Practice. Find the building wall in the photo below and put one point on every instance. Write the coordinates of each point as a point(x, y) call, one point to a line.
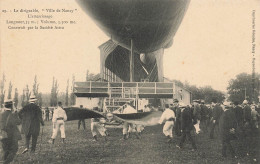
point(182, 95)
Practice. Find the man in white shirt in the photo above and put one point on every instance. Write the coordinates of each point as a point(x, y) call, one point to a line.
point(97, 126)
point(168, 117)
point(59, 116)
point(129, 128)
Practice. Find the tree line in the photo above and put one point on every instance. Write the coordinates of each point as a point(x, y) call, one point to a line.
point(244, 87)
point(44, 99)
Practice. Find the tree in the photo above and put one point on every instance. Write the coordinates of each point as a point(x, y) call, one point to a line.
point(36, 91)
point(27, 93)
point(196, 92)
point(2, 90)
point(87, 75)
point(211, 95)
point(23, 99)
point(46, 98)
point(25, 96)
point(240, 88)
point(54, 92)
point(72, 96)
point(40, 99)
point(10, 90)
point(67, 94)
point(16, 97)
point(93, 77)
point(35, 87)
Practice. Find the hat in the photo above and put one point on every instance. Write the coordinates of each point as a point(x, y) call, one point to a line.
point(175, 100)
point(8, 102)
point(226, 103)
point(182, 105)
point(197, 101)
point(32, 99)
point(245, 102)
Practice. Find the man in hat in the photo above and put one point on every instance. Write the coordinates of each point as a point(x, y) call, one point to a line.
point(228, 126)
point(59, 116)
point(168, 117)
point(81, 121)
point(239, 114)
point(186, 126)
point(31, 116)
point(197, 110)
point(246, 113)
point(216, 113)
point(204, 116)
point(8, 123)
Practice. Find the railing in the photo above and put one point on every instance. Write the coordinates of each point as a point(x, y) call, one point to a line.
point(124, 89)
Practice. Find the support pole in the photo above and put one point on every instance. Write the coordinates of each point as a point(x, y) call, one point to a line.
point(132, 63)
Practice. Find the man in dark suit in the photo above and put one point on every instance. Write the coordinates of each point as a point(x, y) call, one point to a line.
point(239, 114)
point(81, 121)
point(216, 113)
point(204, 116)
point(197, 111)
point(246, 113)
point(186, 126)
point(31, 116)
point(177, 112)
point(47, 113)
point(228, 129)
point(9, 122)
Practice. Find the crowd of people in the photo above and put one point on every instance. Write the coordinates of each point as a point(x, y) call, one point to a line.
point(231, 120)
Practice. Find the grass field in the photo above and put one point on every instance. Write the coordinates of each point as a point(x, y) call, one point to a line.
point(151, 148)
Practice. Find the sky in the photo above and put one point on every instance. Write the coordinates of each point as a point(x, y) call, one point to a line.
point(212, 45)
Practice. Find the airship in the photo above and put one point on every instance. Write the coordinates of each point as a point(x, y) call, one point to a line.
point(139, 31)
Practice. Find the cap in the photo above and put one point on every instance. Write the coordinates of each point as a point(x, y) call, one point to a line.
point(245, 102)
point(175, 100)
point(182, 105)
